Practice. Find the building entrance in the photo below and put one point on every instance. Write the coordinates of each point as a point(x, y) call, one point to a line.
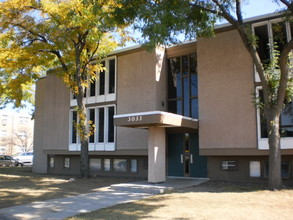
point(183, 156)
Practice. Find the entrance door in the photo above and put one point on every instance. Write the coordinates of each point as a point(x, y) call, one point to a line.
point(183, 156)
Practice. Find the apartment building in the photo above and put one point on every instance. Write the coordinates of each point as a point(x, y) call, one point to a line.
point(184, 111)
point(16, 131)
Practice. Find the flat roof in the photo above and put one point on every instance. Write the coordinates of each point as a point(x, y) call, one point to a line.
point(154, 118)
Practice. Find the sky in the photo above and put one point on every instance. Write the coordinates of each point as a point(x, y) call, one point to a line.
point(251, 8)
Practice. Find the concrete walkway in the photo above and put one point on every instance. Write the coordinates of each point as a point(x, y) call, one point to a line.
point(104, 197)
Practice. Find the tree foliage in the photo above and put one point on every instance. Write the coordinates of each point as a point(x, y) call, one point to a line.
point(71, 35)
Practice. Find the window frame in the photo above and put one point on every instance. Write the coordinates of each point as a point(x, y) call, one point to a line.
point(107, 96)
point(270, 36)
point(96, 146)
point(285, 142)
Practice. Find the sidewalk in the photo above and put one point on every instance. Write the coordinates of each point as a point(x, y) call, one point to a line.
point(105, 197)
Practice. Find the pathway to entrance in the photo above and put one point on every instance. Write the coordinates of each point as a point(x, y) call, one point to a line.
point(104, 197)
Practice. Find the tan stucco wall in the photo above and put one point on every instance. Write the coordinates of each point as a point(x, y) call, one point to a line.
point(40, 159)
point(141, 87)
point(57, 114)
point(227, 117)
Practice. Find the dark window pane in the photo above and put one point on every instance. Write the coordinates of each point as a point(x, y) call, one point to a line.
point(185, 65)
point(102, 81)
point(92, 119)
point(111, 125)
point(285, 169)
point(101, 112)
point(175, 107)
point(263, 41)
point(186, 96)
point(193, 75)
point(194, 108)
point(93, 88)
point(112, 76)
point(73, 130)
point(174, 79)
point(287, 121)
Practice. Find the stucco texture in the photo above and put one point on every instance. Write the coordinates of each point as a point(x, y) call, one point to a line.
point(227, 116)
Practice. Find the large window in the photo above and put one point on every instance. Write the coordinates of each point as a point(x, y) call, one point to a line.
point(286, 125)
point(102, 126)
point(104, 87)
point(272, 34)
point(182, 86)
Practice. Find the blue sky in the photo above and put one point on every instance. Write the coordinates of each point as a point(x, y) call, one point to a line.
point(259, 7)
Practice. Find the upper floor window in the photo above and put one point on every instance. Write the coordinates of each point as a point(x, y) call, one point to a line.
point(104, 87)
point(182, 86)
point(271, 34)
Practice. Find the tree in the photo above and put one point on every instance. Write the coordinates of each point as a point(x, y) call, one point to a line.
point(23, 137)
point(69, 36)
point(161, 21)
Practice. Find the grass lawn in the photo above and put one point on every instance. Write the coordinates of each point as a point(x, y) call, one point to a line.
point(212, 200)
point(20, 186)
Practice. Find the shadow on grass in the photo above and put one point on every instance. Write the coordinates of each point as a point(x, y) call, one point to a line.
point(126, 211)
point(232, 187)
point(20, 186)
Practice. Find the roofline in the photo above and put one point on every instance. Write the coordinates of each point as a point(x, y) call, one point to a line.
point(252, 19)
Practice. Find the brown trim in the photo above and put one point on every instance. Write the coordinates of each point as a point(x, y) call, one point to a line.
point(239, 152)
point(181, 50)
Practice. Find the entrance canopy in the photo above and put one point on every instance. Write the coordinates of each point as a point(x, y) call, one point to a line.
point(154, 118)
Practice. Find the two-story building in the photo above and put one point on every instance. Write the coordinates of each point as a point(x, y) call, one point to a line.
point(184, 111)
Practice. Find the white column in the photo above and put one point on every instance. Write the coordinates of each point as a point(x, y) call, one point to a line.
point(156, 155)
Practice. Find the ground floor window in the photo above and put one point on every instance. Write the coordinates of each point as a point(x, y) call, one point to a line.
point(120, 165)
point(123, 165)
point(285, 169)
point(254, 169)
point(107, 165)
point(52, 162)
point(133, 166)
point(66, 162)
point(95, 164)
point(229, 165)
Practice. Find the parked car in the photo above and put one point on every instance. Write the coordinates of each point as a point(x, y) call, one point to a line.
point(7, 161)
point(25, 158)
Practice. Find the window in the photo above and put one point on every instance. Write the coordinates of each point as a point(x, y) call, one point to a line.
point(286, 125)
point(182, 86)
point(102, 127)
point(285, 169)
point(4, 120)
point(23, 120)
point(104, 87)
point(67, 162)
point(95, 164)
point(52, 162)
point(272, 34)
point(120, 165)
point(254, 169)
point(107, 165)
point(229, 165)
point(133, 165)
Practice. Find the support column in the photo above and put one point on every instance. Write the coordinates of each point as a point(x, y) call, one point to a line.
point(156, 155)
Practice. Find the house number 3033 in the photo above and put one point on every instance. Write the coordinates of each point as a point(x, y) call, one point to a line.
point(135, 118)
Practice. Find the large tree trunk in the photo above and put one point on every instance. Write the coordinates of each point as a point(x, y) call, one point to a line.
point(275, 178)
